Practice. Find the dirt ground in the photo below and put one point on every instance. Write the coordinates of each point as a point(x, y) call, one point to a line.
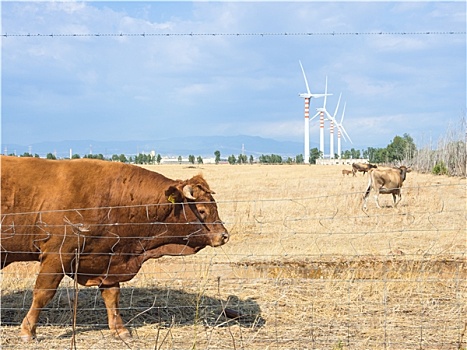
point(305, 268)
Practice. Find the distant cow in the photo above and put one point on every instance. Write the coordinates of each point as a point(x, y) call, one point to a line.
point(346, 172)
point(385, 181)
point(363, 167)
point(98, 222)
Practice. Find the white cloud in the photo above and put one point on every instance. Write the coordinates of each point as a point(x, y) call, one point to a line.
point(362, 86)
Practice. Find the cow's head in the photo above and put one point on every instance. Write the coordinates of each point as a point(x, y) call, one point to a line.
point(403, 171)
point(196, 210)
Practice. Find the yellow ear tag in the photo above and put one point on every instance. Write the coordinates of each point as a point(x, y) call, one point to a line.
point(171, 199)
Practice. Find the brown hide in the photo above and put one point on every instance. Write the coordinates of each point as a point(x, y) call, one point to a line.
point(110, 216)
point(362, 167)
point(346, 172)
point(385, 181)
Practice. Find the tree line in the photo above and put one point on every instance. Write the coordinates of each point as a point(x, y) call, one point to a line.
point(448, 158)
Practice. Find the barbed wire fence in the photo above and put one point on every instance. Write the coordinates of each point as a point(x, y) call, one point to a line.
point(299, 272)
point(239, 34)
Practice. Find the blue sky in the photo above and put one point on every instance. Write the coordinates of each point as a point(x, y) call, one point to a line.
point(108, 88)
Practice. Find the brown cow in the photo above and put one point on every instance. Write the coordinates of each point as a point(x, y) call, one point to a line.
point(98, 221)
point(346, 172)
point(363, 167)
point(385, 181)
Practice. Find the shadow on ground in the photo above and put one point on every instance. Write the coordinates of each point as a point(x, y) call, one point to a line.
point(139, 306)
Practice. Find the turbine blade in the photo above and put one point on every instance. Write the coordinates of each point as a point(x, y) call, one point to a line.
point(345, 132)
point(343, 136)
point(340, 127)
point(317, 114)
point(320, 95)
point(304, 76)
point(343, 112)
point(325, 92)
point(329, 116)
point(337, 107)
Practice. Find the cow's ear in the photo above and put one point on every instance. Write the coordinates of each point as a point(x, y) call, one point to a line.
point(174, 195)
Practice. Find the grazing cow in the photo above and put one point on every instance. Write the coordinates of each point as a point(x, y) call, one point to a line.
point(385, 181)
point(363, 167)
point(97, 222)
point(346, 172)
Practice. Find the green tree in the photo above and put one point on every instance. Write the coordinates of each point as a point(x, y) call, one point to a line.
point(232, 160)
point(355, 153)
point(50, 156)
point(401, 148)
point(270, 159)
point(242, 159)
point(158, 158)
point(299, 159)
point(396, 149)
point(99, 156)
point(314, 155)
point(440, 169)
point(252, 160)
point(200, 160)
point(180, 159)
point(191, 159)
point(217, 154)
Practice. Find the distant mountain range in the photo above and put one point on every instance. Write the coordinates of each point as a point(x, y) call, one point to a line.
point(204, 146)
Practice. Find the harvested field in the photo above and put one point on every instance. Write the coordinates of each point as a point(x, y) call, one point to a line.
point(306, 268)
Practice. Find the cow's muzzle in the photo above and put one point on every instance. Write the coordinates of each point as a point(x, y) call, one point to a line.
point(220, 239)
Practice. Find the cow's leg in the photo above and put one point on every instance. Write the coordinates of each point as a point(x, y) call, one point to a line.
point(376, 200)
point(367, 193)
point(396, 199)
point(46, 285)
point(111, 296)
point(365, 198)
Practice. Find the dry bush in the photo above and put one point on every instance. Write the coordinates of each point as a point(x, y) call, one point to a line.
point(449, 154)
point(306, 268)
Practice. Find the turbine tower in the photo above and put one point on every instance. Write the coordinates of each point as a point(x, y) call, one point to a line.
point(307, 96)
point(321, 111)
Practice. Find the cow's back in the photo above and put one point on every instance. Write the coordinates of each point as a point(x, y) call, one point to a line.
point(33, 184)
point(385, 179)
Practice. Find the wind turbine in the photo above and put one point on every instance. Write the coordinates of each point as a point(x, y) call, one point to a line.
point(321, 111)
point(307, 97)
point(339, 128)
point(331, 130)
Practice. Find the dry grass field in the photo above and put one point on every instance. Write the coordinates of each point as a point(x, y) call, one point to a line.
point(305, 268)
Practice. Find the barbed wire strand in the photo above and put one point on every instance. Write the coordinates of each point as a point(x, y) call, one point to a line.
point(259, 34)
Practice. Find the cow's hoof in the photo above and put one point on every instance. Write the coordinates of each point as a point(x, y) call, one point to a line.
point(123, 335)
point(27, 338)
